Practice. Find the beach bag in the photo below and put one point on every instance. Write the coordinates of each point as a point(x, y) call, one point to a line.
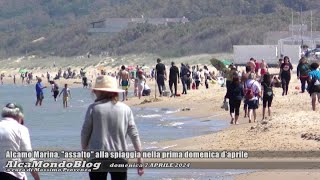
point(225, 106)
point(193, 85)
point(249, 92)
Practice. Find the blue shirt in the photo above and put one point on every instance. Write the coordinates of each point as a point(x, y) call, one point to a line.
point(39, 88)
point(315, 74)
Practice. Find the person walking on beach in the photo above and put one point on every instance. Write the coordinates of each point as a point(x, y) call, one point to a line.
point(268, 94)
point(160, 75)
point(235, 94)
point(302, 73)
point(285, 74)
point(252, 94)
point(244, 78)
point(197, 78)
point(54, 89)
point(1, 77)
point(263, 68)
point(141, 83)
point(206, 76)
point(124, 81)
point(314, 84)
point(184, 77)
point(252, 64)
point(15, 137)
point(107, 124)
point(39, 91)
point(66, 95)
point(173, 78)
point(14, 79)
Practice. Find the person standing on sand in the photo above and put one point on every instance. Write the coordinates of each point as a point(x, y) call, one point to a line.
point(174, 79)
point(22, 77)
point(314, 84)
point(160, 75)
point(302, 73)
point(14, 79)
point(257, 64)
point(235, 95)
point(39, 91)
point(124, 81)
point(141, 82)
point(252, 94)
point(66, 95)
point(252, 64)
point(107, 124)
point(285, 74)
point(268, 94)
point(14, 137)
point(184, 77)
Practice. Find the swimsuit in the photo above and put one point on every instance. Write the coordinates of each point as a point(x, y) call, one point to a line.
point(125, 84)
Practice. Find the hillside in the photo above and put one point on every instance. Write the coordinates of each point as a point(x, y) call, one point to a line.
point(215, 25)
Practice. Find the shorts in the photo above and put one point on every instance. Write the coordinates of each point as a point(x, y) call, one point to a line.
point(263, 72)
point(125, 85)
point(65, 99)
point(267, 99)
point(254, 104)
point(315, 95)
point(40, 96)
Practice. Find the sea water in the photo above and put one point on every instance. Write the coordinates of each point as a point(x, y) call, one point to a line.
point(54, 128)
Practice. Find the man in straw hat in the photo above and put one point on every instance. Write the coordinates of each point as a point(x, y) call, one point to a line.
point(106, 126)
point(14, 136)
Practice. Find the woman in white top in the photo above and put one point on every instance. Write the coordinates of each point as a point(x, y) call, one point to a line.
point(141, 83)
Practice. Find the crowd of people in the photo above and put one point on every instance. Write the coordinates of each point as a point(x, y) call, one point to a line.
point(256, 84)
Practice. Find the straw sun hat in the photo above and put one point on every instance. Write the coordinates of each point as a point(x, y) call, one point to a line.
point(107, 83)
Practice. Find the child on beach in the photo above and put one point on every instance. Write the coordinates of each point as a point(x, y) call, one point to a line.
point(267, 92)
point(66, 94)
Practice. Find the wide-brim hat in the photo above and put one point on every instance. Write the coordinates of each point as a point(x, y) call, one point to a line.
point(107, 84)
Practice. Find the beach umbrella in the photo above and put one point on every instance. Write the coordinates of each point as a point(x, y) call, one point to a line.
point(226, 62)
point(219, 65)
point(23, 71)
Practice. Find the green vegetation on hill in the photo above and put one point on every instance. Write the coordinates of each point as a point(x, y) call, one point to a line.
point(215, 25)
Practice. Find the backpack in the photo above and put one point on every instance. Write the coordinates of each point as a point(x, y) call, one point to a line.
point(236, 93)
point(249, 92)
point(304, 70)
point(268, 90)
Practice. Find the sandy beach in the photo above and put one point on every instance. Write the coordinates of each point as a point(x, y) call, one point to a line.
point(291, 118)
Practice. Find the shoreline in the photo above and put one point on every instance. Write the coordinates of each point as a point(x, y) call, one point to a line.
point(291, 117)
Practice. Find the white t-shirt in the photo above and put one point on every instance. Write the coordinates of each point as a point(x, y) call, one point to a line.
point(146, 87)
point(14, 137)
point(255, 86)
